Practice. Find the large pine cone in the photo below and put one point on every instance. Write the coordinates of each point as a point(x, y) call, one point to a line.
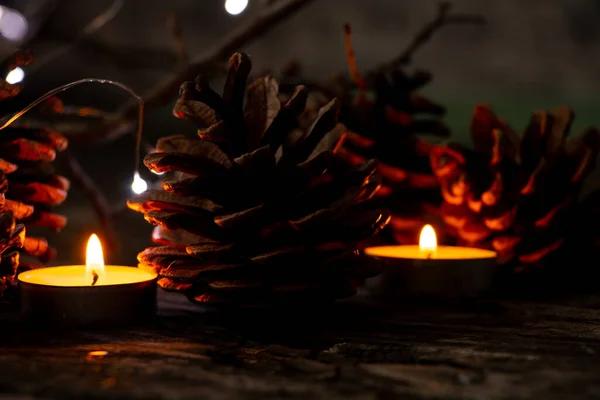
point(256, 215)
point(515, 194)
point(26, 155)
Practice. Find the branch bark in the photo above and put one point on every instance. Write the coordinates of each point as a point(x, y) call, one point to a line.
point(443, 18)
point(176, 33)
point(166, 90)
point(253, 29)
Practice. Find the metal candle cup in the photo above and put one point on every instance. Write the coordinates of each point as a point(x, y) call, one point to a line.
point(88, 295)
point(431, 270)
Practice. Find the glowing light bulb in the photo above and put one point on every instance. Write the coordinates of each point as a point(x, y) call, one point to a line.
point(13, 25)
point(139, 185)
point(235, 7)
point(15, 76)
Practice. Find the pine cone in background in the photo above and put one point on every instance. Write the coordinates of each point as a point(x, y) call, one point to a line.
point(257, 214)
point(385, 115)
point(385, 125)
point(517, 195)
point(33, 187)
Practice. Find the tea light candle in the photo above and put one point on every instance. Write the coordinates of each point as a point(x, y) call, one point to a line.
point(429, 269)
point(91, 294)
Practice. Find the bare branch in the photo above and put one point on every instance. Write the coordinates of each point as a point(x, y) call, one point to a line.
point(94, 25)
point(443, 18)
point(127, 57)
point(253, 29)
point(205, 63)
point(341, 84)
point(174, 28)
point(98, 132)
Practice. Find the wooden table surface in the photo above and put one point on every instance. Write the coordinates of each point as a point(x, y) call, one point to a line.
point(361, 349)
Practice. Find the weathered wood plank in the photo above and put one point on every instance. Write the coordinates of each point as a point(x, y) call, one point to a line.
point(358, 350)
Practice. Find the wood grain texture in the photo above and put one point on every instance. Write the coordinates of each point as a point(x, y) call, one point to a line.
point(360, 349)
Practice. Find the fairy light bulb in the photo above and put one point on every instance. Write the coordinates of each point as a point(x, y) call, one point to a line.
point(235, 7)
point(139, 185)
point(15, 76)
point(13, 25)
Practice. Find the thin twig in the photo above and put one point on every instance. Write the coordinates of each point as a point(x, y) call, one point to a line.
point(128, 57)
point(253, 29)
point(94, 25)
point(443, 18)
point(72, 128)
point(352, 65)
point(95, 196)
point(174, 28)
point(166, 90)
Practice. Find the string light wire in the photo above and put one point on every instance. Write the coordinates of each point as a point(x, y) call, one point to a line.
point(140, 101)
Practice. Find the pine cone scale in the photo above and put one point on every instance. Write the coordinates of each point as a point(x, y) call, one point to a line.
point(258, 216)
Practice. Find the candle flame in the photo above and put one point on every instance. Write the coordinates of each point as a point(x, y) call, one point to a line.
point(428, 240)
point(94, 260)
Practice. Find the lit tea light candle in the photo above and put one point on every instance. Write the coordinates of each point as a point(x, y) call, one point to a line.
point(430, 269)
point(91, 294)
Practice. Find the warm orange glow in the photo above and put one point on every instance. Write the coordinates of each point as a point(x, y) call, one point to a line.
point(428, 240)
point(94, 260)
point(428, 249)
point(94, 273)
point(96, 354)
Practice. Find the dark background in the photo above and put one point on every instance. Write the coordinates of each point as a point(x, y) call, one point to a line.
point(531, 55)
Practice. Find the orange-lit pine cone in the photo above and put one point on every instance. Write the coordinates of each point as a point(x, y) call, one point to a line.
point(32, 186)
point(516, 194)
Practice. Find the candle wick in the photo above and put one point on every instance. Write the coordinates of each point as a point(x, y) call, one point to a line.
point(95, 277)
point(429, 255)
